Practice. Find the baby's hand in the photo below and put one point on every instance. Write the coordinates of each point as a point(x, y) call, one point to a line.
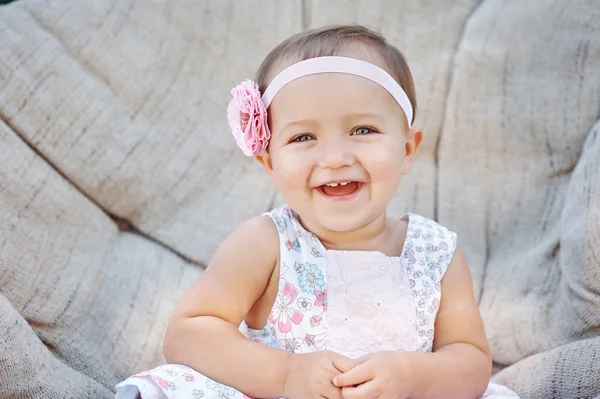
point(382, 375)
point(310, 376)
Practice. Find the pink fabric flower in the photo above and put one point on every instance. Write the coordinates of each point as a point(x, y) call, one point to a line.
point(282, 314)
point(247, 117)
point(309, 339)
point(321, 299)
point(315, 320)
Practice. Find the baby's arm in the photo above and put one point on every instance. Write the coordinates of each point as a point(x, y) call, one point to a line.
point(461, 363)
point(203, 331)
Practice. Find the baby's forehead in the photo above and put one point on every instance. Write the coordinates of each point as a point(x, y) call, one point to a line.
point(333, 98)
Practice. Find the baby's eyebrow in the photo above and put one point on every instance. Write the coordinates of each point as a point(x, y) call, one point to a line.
point(310, 123)
point(364, 115)
point(298, 123)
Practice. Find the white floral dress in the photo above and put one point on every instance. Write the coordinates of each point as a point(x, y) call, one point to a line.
point(349, 302)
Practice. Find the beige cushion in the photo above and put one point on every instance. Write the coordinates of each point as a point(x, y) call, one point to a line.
point(129, 101)
point(80, 301)
point(519, 179)
point(115, 115)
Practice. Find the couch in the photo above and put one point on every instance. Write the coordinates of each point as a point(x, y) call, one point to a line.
point(119, 178)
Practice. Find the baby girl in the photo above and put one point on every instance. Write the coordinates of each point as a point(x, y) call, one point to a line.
point(327, 296)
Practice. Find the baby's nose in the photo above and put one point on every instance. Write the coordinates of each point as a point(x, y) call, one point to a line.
point(336, 158)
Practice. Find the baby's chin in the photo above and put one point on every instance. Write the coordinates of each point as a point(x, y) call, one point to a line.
point(341, 225)
point(344, 222)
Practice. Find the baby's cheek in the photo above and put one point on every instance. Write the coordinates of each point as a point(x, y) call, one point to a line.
point(290, 173)
point(386, 173)
point(386, 162)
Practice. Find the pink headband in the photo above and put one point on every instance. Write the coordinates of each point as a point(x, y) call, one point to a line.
point(247, 111)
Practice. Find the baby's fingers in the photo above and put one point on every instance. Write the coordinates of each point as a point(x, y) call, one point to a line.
point(355, 376)
point(367, 390)
point(331, 392)
point(343, 363)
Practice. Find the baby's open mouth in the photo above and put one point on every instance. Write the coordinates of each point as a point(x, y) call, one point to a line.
point(340, 189)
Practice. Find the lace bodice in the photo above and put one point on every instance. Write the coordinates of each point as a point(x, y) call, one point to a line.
point(371, 307)
point(356, 302)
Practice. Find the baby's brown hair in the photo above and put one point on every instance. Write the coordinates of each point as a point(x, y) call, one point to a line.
point(330, 41)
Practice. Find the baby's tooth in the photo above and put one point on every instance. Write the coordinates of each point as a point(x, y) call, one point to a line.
point(344, 183)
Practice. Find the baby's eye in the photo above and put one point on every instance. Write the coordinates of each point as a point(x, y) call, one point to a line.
point(362, 130)
point(304, 137)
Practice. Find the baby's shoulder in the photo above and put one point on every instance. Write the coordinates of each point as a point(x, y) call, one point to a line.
point(257, 234)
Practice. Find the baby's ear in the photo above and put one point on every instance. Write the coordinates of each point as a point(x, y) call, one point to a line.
point(265, 161)
point(413, 142)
